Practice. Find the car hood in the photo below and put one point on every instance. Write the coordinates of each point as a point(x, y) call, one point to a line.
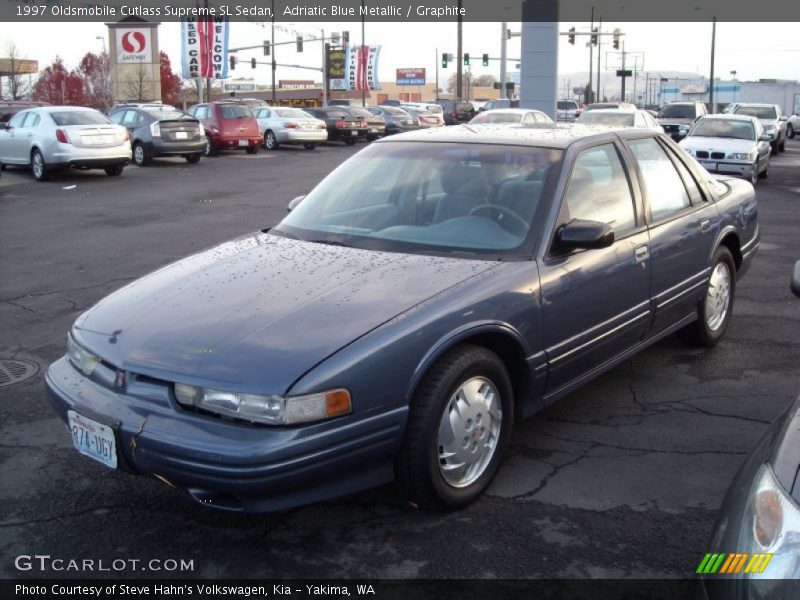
point(256, 313)
point(698, 142)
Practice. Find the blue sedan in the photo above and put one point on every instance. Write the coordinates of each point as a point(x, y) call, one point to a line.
point(435, 286)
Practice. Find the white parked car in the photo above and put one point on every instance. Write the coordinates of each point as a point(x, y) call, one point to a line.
point(793, 126)
point(620, 117)
point(771, 117)
point(730, 144)
point(511, 116)
point(568, 110)
point(285, 125)
point(49, 138)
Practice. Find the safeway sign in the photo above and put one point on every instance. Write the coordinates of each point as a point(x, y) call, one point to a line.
point(204, 48)
point(134, 45)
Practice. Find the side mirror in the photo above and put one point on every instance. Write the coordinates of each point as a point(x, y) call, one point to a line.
point(784, 118)
point(8, 126)
point(585, 234)
point(293, 204)
point(796, 279)
point(764, 138)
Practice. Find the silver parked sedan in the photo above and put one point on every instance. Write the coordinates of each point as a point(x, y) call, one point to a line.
point(620, 117)
point(285, 125)
point(730, 144)
point(511, 116)
point(49, 138)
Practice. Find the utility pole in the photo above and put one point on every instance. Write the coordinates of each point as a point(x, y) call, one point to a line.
point(503, 50)
point(364, 57)
point(274, 66)
point(599, 43)
point(436, 62)
point(459, 58)
point(711, 83)
point(623, 72)
point(591, 61)
point(325, 47)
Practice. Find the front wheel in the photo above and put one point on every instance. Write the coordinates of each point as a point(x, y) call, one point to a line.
point(765, 173)
point(114, 171)
point(754, 174)
point(458, 428)
point(782, 146)
point(210, 149)
point(790, 131)
point(714, 310)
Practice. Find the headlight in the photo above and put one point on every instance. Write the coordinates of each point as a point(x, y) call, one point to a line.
point(688, 151)
point(742, 155)
point(772, 525)
point(684, 128)
point(83, 360)
point(155, 129)
point(273, 410)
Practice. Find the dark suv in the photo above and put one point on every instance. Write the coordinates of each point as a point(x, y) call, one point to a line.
point(158, 131)
point(456, 111)
point(677, 118)
point(228, 125)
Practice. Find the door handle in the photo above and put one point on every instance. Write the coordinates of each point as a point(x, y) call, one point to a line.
point(641, 253)
point(705, 225)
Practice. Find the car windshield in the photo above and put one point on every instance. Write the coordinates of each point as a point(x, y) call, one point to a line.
point(167, 115)
point(397, 112)
point(236, 112)
point(615, 119)
point(334, 114)
point(738, 130)
point(564, 105)
point(79, 117)
point(361, 112)
point(292, 113)
point(496, 117)
point(759, 112)
point(421, 197)
point(678, 111)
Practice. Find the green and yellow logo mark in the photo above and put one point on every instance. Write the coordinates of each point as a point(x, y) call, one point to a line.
point(729, 564)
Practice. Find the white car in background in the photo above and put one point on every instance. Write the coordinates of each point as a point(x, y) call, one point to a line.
point(50, 138)
point(730, 144)
point(771, 117)
point(793, 126)
point(286, 125)
point(620, 117)
point(511, 116)
point(568, 110)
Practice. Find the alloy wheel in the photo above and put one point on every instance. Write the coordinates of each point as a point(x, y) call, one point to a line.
point(718, 297)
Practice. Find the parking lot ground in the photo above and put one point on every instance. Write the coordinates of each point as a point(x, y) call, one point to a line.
point(622, 478)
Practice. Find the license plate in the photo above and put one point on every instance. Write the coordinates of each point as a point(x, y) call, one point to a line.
point(91, 140)
point(181, 135)
point(93, 439)
point(353, 133)
point(710, 166)
point(244, 143)
point(373, 130)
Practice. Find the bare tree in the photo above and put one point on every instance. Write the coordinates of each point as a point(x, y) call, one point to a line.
point(18, 86)
point(139, 85)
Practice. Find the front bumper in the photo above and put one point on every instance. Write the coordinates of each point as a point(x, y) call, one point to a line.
point(739, 168)
point(234, 466)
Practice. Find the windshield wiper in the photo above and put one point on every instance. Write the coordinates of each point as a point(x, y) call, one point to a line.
point(328, 242)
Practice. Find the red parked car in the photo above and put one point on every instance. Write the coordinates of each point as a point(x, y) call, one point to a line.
point(227, 125)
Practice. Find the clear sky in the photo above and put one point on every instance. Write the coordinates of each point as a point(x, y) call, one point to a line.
point(757, 50)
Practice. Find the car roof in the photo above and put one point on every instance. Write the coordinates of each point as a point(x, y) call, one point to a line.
point(510, 111)
point(729, 117)
point(617, 111)
point(543, 135)
point(64, 108)
point(756, 104)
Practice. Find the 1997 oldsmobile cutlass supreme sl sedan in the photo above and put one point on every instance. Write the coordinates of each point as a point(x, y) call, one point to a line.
point(433, 287)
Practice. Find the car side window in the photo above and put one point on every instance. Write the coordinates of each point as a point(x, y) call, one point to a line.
point(131, 118)
point(695, 195)
point(665, 190)
point(31, 120)
point(528, 119)
point(117, 117)
point(17, 120)
point(265, 113)
point(598, 190)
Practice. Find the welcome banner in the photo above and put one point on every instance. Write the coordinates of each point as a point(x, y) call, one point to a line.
point(204, 47)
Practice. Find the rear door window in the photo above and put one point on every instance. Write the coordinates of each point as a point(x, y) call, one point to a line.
point(664, 187)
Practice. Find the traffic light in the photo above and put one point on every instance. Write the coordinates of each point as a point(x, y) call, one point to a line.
point(594, 36)
point(266, 47)
point(444, 60)
point(299, 43)
point(233, 63)
point(616, 39)
point(345, 37)
point(466, 59)
point(252, 63)
point(571, 36)
point(485, 60)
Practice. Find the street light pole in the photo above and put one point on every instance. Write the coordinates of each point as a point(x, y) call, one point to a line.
point(591, 60)
point(713, 47)
point(503, 52)
point(459, 58)
point(274, 66)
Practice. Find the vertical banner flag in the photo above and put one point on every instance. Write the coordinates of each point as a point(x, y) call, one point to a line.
point(204, 47)
point(338, 69)
point(363, 67)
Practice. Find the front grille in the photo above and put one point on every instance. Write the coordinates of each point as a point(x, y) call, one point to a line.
point(702, 154)
point(670, 128)
point(717, 155)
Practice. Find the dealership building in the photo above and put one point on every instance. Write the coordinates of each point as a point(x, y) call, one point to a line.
point(784, 93)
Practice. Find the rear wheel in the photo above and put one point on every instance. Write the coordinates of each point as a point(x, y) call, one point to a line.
point(790, 131)
point(114, 171)
point(457, 430)
point(349, 141)
point(270, 141)
point(714, 310)
point(38, 166)
point(309, 146)
point(140, 157)
point(193, 159)
point(754, 173)
point(210, 149)
point(782, 145)
point(252, 149)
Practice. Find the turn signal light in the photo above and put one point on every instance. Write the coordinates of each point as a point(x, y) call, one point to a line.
point(291, 125)
point(337, 402)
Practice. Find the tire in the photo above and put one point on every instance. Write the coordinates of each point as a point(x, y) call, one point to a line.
point(310, 146)
point(782, 146)
point(210, 149)
point(193, 159)
point(774, 149)
point(2, 167)
point(252, 149)
point(754, 174)
point(140, 156)
point(270, 141)
point(349, 141)
point(765, 173)
point(420, 467)
point(114, 171)
point(706, 331)
point(38, 166)
point(790, 131)
point(372, 138)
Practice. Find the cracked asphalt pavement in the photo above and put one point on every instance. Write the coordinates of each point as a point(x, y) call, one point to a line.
point(622, 478)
